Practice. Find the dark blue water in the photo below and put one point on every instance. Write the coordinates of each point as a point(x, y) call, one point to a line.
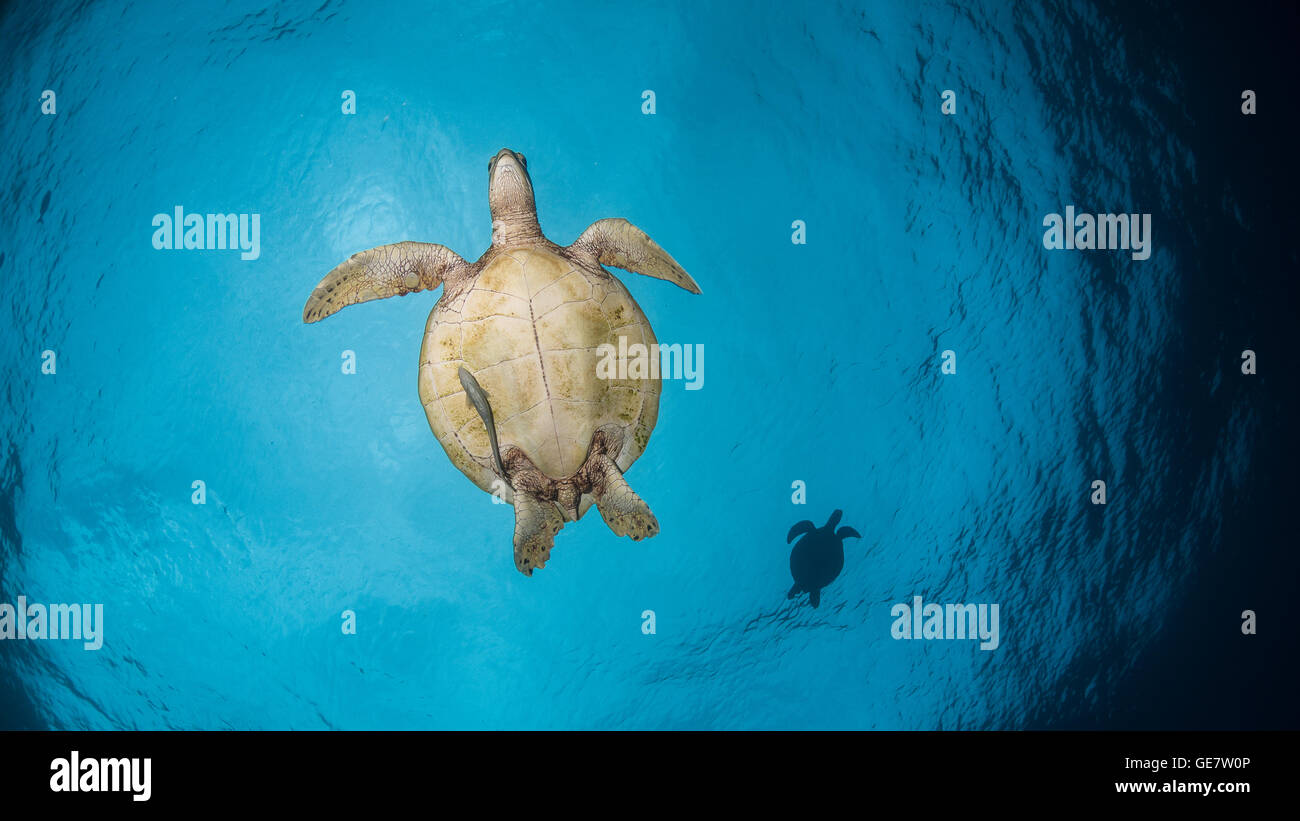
point(327, 492)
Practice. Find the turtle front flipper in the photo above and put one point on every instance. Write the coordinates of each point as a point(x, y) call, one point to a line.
point(536, 523)
point(388, 270)
point(621, 244)
point(800, 528)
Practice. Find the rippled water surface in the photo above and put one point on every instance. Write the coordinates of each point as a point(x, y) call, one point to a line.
point(327, 492)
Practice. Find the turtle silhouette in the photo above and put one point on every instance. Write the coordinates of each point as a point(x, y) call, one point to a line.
point(818, 557)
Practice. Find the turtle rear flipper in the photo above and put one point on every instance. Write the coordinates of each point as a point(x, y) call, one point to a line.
point(815, 597)
point(620, 507)
point(536, 523)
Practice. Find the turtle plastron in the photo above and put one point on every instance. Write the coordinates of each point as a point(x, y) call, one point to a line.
point(508, 369)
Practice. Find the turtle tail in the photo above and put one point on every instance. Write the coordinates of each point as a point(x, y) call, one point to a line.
point(479, 398)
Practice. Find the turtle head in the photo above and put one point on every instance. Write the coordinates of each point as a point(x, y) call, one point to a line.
point(834, 520)
point(510, 194)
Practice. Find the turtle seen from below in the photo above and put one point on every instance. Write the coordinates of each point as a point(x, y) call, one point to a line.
point(508, 375)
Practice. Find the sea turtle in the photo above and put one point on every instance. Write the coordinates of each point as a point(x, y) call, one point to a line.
point(509, 374)
point(818, 558)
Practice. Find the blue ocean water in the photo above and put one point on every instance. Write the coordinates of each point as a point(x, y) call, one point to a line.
point(327, 492)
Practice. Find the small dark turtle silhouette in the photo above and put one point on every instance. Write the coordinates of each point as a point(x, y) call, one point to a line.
point(818, 558)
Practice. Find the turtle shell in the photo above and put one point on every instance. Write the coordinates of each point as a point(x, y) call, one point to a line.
point(529, 328)
point(817, 559)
